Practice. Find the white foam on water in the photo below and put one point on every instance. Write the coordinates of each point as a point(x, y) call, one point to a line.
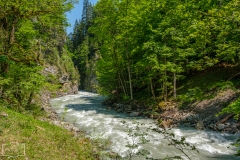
point(212, 149)
point(101, 123)
point(77, 114)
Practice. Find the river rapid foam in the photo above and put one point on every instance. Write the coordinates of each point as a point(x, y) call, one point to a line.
point(86, 112)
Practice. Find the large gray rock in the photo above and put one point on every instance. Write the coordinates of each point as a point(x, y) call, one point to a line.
point(220, 127)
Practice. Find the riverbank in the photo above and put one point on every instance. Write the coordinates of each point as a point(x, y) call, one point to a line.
point(200, 114)
point(51, 115)
point(43, 136)
point(25, 137)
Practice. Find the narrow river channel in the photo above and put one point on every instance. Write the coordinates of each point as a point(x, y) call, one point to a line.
point(87, 113)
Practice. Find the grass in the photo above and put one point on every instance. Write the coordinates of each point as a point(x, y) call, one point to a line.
point(42, 140)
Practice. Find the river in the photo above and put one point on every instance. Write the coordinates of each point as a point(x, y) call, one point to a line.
point(86, 112)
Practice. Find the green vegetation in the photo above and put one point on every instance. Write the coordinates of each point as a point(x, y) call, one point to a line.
point(32, 52)
point(138, 135)
point(209, 83)
point(154, 49)
point(42, 140)
point(35, 63)
point(150, 50)
point(81, 46)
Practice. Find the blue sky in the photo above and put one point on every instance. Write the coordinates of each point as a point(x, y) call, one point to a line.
point(76, 13)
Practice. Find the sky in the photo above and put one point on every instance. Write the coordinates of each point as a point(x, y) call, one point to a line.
point(76, 13)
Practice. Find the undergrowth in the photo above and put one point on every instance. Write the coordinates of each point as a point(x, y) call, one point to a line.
point(208, 84)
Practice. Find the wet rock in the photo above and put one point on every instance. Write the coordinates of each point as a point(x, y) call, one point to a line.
point(64, 79)
point(128, 107)
point(134, 114)
point(192, 118)
point(220, 127)
point(75, 89)
point(200, 125)
point(154, 116)
point(118, 105)
point(166, 124)
point(119, 110)
point(211, 126)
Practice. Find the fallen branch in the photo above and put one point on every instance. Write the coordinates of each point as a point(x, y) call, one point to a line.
point(226, 118)
point(233, 76)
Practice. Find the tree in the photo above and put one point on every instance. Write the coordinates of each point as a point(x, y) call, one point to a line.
point(29, 31)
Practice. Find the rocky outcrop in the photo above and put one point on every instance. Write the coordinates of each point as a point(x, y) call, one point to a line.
point(66, 85)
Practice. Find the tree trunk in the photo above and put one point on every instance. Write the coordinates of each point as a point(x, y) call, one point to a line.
point(12, 35)
point(174, 80)
point(174, 85)
point(165, 81)
point(120, 79)
point(128, 62)
point(130, 80)
point(129, 70)
point(152, 90)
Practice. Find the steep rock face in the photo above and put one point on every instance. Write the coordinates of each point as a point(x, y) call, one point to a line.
point(63, 79)
point(61, 75)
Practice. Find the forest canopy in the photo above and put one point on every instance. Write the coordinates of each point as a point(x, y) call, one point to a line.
point(149, 45)
point(29, 31)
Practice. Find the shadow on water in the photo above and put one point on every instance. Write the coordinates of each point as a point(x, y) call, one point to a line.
point(222, 157)
point(93, 104)
point(100, 110)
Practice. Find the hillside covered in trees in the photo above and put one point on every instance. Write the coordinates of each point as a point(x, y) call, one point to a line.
point(157, 52)
point(149, 49)
point(33, 56)
point(35, 66)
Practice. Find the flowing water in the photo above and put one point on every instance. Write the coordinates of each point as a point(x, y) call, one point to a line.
point(87, 113)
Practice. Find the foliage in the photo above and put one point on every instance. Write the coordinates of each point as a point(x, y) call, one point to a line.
point(21, 84)
point(233, 107)
point(237, 144)
point(137, 134)
point(179, 144)
point(81, 46)
point(223, 86)
point(192, 95)
point(32, 35)
point(148, 46)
